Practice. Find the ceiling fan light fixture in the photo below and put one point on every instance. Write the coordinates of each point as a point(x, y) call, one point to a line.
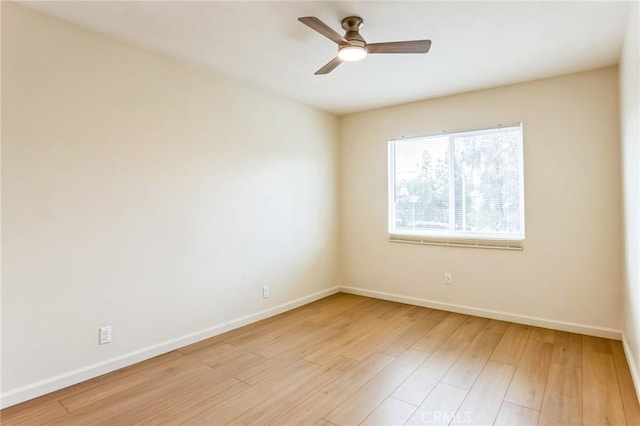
point(352, 46)
point(352, 53)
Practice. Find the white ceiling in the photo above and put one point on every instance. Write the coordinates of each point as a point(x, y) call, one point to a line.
point(475, 44)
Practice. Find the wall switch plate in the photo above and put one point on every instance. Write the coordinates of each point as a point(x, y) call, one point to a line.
point(265, 291)
point(104, 335)
point(448, 278)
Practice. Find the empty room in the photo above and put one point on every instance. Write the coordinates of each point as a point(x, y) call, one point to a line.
point(320, 213)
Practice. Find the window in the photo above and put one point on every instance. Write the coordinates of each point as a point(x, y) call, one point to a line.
point(466, 185)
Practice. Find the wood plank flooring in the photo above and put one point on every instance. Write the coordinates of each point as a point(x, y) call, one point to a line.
point(349, 360)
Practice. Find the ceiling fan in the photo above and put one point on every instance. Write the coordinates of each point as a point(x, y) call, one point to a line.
point(352, 47)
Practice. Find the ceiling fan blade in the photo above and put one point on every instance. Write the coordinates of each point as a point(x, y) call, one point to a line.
point(330, 66)
point(319, 26)
point(415, 46)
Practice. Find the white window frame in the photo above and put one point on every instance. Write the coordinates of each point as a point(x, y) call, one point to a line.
point(452, 237)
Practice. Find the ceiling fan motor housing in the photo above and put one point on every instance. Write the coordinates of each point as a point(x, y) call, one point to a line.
point(351, 25)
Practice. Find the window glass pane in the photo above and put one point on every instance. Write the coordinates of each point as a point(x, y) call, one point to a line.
point(487, 181)
point(422, 184)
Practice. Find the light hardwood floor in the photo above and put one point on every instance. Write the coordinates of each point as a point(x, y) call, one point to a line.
point(348, 360)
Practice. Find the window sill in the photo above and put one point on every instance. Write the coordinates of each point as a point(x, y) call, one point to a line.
point(459, 242)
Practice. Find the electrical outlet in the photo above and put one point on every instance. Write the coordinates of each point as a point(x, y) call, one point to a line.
point(448, 278)
point(265, 291)
point(104, 336)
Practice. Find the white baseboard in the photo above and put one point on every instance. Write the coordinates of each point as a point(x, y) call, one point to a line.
point(51, 384)
point(488, 313)
point(43, 387)
point(635, 374)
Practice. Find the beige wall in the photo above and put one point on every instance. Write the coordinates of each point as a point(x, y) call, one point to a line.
point(147, 194)
point(630, 122)
point(570, 268)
